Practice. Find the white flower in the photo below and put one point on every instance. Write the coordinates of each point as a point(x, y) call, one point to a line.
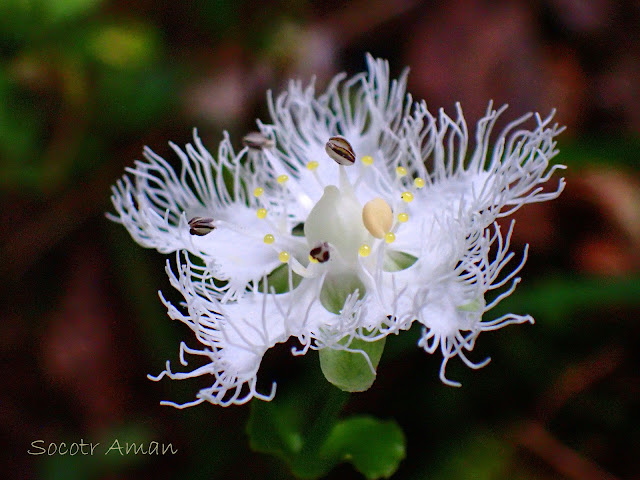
point(284, 242)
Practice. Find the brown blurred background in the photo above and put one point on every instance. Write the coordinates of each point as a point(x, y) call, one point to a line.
point(85, 84)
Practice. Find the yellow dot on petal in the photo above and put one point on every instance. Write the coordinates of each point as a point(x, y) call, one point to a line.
point(390, 237)
point(403, 217)
point(401, 171)
point(312, 260)
point(258, 191)
point(419, 182)
point(407, 196)
point(282, 179)
point(367, 160)
point(269, 239)
point(364, 250)
point(284, 257)
point(312, 165)
point(262, 212)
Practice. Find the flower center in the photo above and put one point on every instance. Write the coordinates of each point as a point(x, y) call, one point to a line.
point(337, 220)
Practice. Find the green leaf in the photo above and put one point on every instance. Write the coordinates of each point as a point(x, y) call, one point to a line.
point(349, 370)
point(301, 427)
point(374, 447)
point(295, 425)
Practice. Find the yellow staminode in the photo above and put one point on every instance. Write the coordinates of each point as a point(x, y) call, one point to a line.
point(401, 171)
point(312, 165)
point(269, 239)
point(377, 217)
point(390, 237)
point(419, 182)
point(403, 217)
point(258, 191)
point(284, 257)
point(262, 213)
point(282, 179)
point(407, 196)
point(367, 160)
point(313, 260)
point(364, 250)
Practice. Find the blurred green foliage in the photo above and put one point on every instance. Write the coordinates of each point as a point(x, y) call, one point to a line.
point(73, 80)
point(24, 21)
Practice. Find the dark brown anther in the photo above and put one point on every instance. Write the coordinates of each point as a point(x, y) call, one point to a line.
point(320, 253)
point(200, 226)
point(340, 151)
point(257, 141)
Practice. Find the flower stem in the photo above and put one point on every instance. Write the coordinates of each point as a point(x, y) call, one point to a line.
point(334, 401)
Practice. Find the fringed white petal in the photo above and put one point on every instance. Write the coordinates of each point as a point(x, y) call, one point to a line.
point(234, 335)
point(452, 307)
point(368, 110)
point(490, 181)
point(156, 205)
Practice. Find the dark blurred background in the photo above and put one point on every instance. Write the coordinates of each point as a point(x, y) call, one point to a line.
point(85, 84)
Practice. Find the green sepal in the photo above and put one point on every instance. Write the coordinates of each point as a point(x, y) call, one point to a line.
point(349, 370)
point(278, 280)
point(395, 261)
point(336, 288)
